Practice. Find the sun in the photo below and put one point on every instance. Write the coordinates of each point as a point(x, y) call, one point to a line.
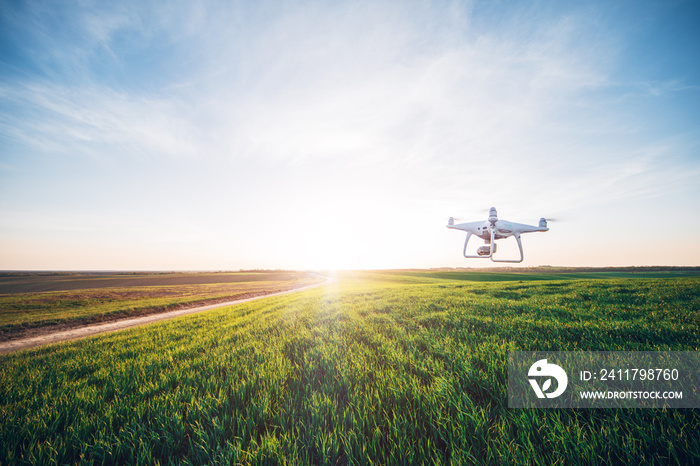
point(333, 250)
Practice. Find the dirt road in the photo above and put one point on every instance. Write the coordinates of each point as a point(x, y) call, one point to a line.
point(89, 330)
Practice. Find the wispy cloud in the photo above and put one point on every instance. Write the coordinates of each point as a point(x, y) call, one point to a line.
point(417, 106)
point(61, 119)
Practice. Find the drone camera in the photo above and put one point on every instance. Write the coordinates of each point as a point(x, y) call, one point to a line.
point(486, 250)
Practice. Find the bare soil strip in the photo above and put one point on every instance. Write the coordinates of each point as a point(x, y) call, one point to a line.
point(41, 282)
point(89, 330)
point(35, 329)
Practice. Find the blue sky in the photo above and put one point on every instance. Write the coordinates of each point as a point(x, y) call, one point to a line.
point(227, 135)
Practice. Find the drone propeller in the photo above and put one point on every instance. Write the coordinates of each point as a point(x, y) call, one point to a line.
point(479, 213)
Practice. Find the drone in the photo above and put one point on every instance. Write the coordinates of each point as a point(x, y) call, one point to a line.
point(494, 229)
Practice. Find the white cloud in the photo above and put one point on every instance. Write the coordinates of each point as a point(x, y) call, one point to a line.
point(56, 118)
point(394, 110)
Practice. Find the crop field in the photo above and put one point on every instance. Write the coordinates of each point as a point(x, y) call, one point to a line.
point(49, 300)
point(374, 368)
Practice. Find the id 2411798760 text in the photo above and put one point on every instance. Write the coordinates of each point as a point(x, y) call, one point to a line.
point(630, 374)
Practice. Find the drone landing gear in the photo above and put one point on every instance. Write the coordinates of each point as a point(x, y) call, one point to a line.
point(492, 248)
point(487, 252)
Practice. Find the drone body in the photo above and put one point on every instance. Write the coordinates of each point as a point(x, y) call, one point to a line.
point(494, 229)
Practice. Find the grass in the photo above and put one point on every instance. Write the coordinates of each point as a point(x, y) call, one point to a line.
point(380, 368)
point(22, 310)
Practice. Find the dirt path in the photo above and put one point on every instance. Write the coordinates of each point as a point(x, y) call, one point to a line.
point(94, 329)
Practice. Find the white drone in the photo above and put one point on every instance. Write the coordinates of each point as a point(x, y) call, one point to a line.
point(494, 229)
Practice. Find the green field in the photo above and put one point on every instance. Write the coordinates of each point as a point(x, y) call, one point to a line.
point(41, 300)
point(375, 368)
